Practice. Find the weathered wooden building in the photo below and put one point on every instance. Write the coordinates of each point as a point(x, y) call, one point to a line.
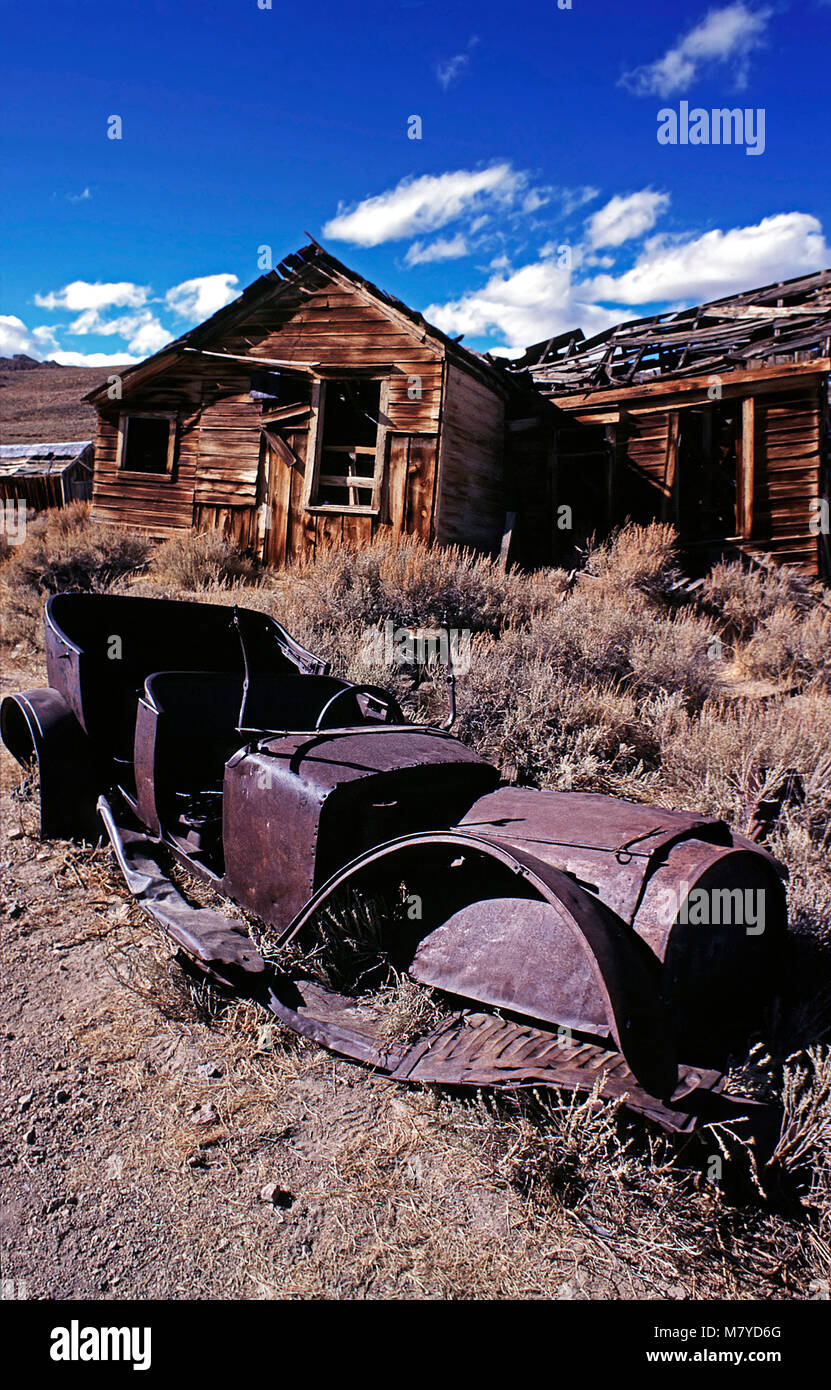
point(317, 409)
point(716, 418)
point(314, 409)
point(46, 475)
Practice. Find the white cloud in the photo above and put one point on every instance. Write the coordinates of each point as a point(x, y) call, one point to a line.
point(574, 198)
point(148, 337)
point(450, 70)
point(45, 338)
point(142, 330)
point(15, 337)
point(544, 298)
point(719, 263)
point(725, 35)
point(80, 197)
point(419, 205)
point(80, 294)
point(442, 249)
point(624, 217)
point(537, 301)
point(197, 299)
point(95, 359)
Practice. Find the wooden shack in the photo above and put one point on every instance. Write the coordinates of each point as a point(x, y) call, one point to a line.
point(46, 475)
point(715, 418)
point(314, 409)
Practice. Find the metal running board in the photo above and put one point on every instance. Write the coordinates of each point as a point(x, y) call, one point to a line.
point(481, 1049)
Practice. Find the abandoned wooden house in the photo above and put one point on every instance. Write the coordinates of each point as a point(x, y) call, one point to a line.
point(715, 418)
point(46, 475)
point(313, 409)
point(317, 409)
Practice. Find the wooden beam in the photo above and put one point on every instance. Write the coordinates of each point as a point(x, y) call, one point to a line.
point(281, 448)
point(255, 361)
point(607, 395)
point(507, 538)
point(748, 461)
point(670, 500)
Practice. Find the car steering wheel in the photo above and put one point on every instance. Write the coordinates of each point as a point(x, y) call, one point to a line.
point(393, 712)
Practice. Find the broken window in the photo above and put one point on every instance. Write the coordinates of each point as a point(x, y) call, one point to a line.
point(146, 443)
point(347, 446)
point(283, 396)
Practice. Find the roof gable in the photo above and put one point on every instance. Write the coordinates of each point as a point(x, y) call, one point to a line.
point(298, 276)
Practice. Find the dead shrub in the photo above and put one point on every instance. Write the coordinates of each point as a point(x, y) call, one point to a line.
point(790, 645)
point(411, 584)
point(744, 595)
point(409, 1010)
point(677, 654)
point(804, 1146)
point(65, 550)
point(637, 558)
point(202, 560)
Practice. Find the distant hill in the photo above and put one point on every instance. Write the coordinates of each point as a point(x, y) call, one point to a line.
point(40, 402)
point(22, 362)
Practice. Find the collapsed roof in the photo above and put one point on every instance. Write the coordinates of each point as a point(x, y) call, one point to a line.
point(789, 321)
point(38, 460)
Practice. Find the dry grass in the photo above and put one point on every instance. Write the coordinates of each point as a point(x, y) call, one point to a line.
point(636, 559)
point(63, 550)
point(202, 561)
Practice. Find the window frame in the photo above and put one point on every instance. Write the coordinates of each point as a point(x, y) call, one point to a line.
point(315, 447)
point(123, 429)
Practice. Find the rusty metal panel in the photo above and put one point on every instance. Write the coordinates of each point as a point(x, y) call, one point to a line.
point(298, 807)
point(608, 845)
point(515, 953)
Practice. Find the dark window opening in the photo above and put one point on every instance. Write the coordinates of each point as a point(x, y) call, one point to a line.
point(268, 387)
point(708, 461)
point(146, 447)
point(348, 444)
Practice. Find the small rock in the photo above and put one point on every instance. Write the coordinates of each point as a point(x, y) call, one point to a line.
point(276, 1196)
point(14, 910)
point(30, 1136)
point(210, 1070)
point(16, 833)
point(56, 1203)
point(26, 1101)
point(61, 1096)
point(197, 1160)
point(203, 1115)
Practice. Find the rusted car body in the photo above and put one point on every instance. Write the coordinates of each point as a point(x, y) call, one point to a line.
point(555, 925)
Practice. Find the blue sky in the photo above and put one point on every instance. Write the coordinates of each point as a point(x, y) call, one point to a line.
point(538, 197)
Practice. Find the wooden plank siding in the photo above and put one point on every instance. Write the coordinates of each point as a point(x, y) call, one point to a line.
point(780, 445)
point(157, 504)
point(788, 475)
point(471, 502)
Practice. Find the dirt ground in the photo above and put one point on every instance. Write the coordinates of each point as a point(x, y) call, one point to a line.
point(154, 1147)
